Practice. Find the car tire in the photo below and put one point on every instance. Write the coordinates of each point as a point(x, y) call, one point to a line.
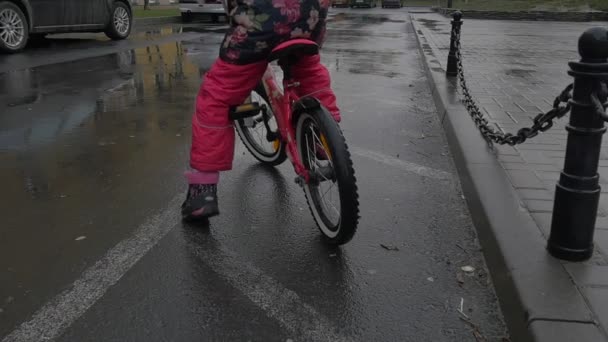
point(186, 17)
point(121, 22)
point(19, 34)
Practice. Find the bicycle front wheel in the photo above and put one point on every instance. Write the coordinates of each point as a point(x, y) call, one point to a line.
point(331, 192)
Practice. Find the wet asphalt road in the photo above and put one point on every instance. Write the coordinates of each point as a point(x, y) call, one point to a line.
point(94, 137)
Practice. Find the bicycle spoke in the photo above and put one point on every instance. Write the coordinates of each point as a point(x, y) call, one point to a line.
point(310, 165)
point(260, 141)
point(320, 143)
point(325, 193)
point(330, 203)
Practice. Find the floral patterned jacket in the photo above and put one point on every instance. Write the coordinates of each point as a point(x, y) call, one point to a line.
point(260, 25)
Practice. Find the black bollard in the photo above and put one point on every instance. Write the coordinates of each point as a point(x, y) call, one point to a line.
point(452, 60)
point(577, 192)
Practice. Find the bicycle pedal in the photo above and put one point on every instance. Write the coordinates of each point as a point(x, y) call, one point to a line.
point(245, 111)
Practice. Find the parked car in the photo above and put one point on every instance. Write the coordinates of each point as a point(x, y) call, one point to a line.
point(340, 3)
point(21, 20)
point(363, 3)
point(392, 3)
point(190, 8)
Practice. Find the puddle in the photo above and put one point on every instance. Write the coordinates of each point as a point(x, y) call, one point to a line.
point(430, 24)
point(357, 19)
point(40, 105)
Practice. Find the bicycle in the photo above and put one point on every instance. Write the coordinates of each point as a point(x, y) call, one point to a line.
point(303, 131)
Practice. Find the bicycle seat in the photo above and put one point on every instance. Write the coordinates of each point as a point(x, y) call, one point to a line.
point(293, 48)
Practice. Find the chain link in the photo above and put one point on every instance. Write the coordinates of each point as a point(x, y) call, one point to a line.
point(541, 122)
point(598, 98)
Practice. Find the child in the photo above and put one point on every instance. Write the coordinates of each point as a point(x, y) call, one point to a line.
point(257, 26)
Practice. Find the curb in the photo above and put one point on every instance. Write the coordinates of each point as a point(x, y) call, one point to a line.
point(158, 20)
point(526, 15)
point(537, 296)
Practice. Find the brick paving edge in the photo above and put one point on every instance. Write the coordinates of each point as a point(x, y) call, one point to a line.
point(527, 15)
point(537, 296)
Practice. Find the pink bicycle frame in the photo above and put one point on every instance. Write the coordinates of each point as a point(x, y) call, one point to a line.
point(281, 102)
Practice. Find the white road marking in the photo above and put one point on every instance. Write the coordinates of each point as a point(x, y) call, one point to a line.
point(54, 317)
point(279, 303)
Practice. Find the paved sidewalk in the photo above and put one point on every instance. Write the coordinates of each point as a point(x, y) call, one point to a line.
point(515, 69)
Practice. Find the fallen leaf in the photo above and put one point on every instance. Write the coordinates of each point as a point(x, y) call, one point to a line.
point(389, 248)
point(468, 269)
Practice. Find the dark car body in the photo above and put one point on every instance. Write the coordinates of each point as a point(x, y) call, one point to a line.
point(363, 3)
point(57, 16)
point(340, 3)
point(392, 3)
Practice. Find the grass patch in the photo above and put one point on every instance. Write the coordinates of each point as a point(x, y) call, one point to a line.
point(518, 5)
point(153, 12)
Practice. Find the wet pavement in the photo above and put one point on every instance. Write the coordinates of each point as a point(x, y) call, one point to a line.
point(94, 137)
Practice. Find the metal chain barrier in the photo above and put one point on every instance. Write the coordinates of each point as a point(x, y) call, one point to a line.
point(541, 123)
point(599, 97)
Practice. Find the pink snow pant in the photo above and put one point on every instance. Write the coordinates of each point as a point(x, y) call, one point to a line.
point(227, 85)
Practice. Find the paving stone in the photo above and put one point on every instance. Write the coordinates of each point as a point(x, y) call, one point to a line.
point(524, 179)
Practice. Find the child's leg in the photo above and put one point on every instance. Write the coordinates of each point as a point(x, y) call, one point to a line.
point(314, 78)
point(225, 85)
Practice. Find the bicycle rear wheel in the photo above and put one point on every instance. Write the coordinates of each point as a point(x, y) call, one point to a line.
point(253, 132)
point(332, 191)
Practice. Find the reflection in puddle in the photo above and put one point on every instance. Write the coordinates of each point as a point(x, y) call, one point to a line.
point(55, 128)
point(41, 104)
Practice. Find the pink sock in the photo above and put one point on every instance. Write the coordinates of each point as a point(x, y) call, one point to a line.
point(202, 177)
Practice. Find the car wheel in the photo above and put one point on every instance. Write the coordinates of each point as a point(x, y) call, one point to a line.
point(121, 21)
point(186, 17)
point(14, 31)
